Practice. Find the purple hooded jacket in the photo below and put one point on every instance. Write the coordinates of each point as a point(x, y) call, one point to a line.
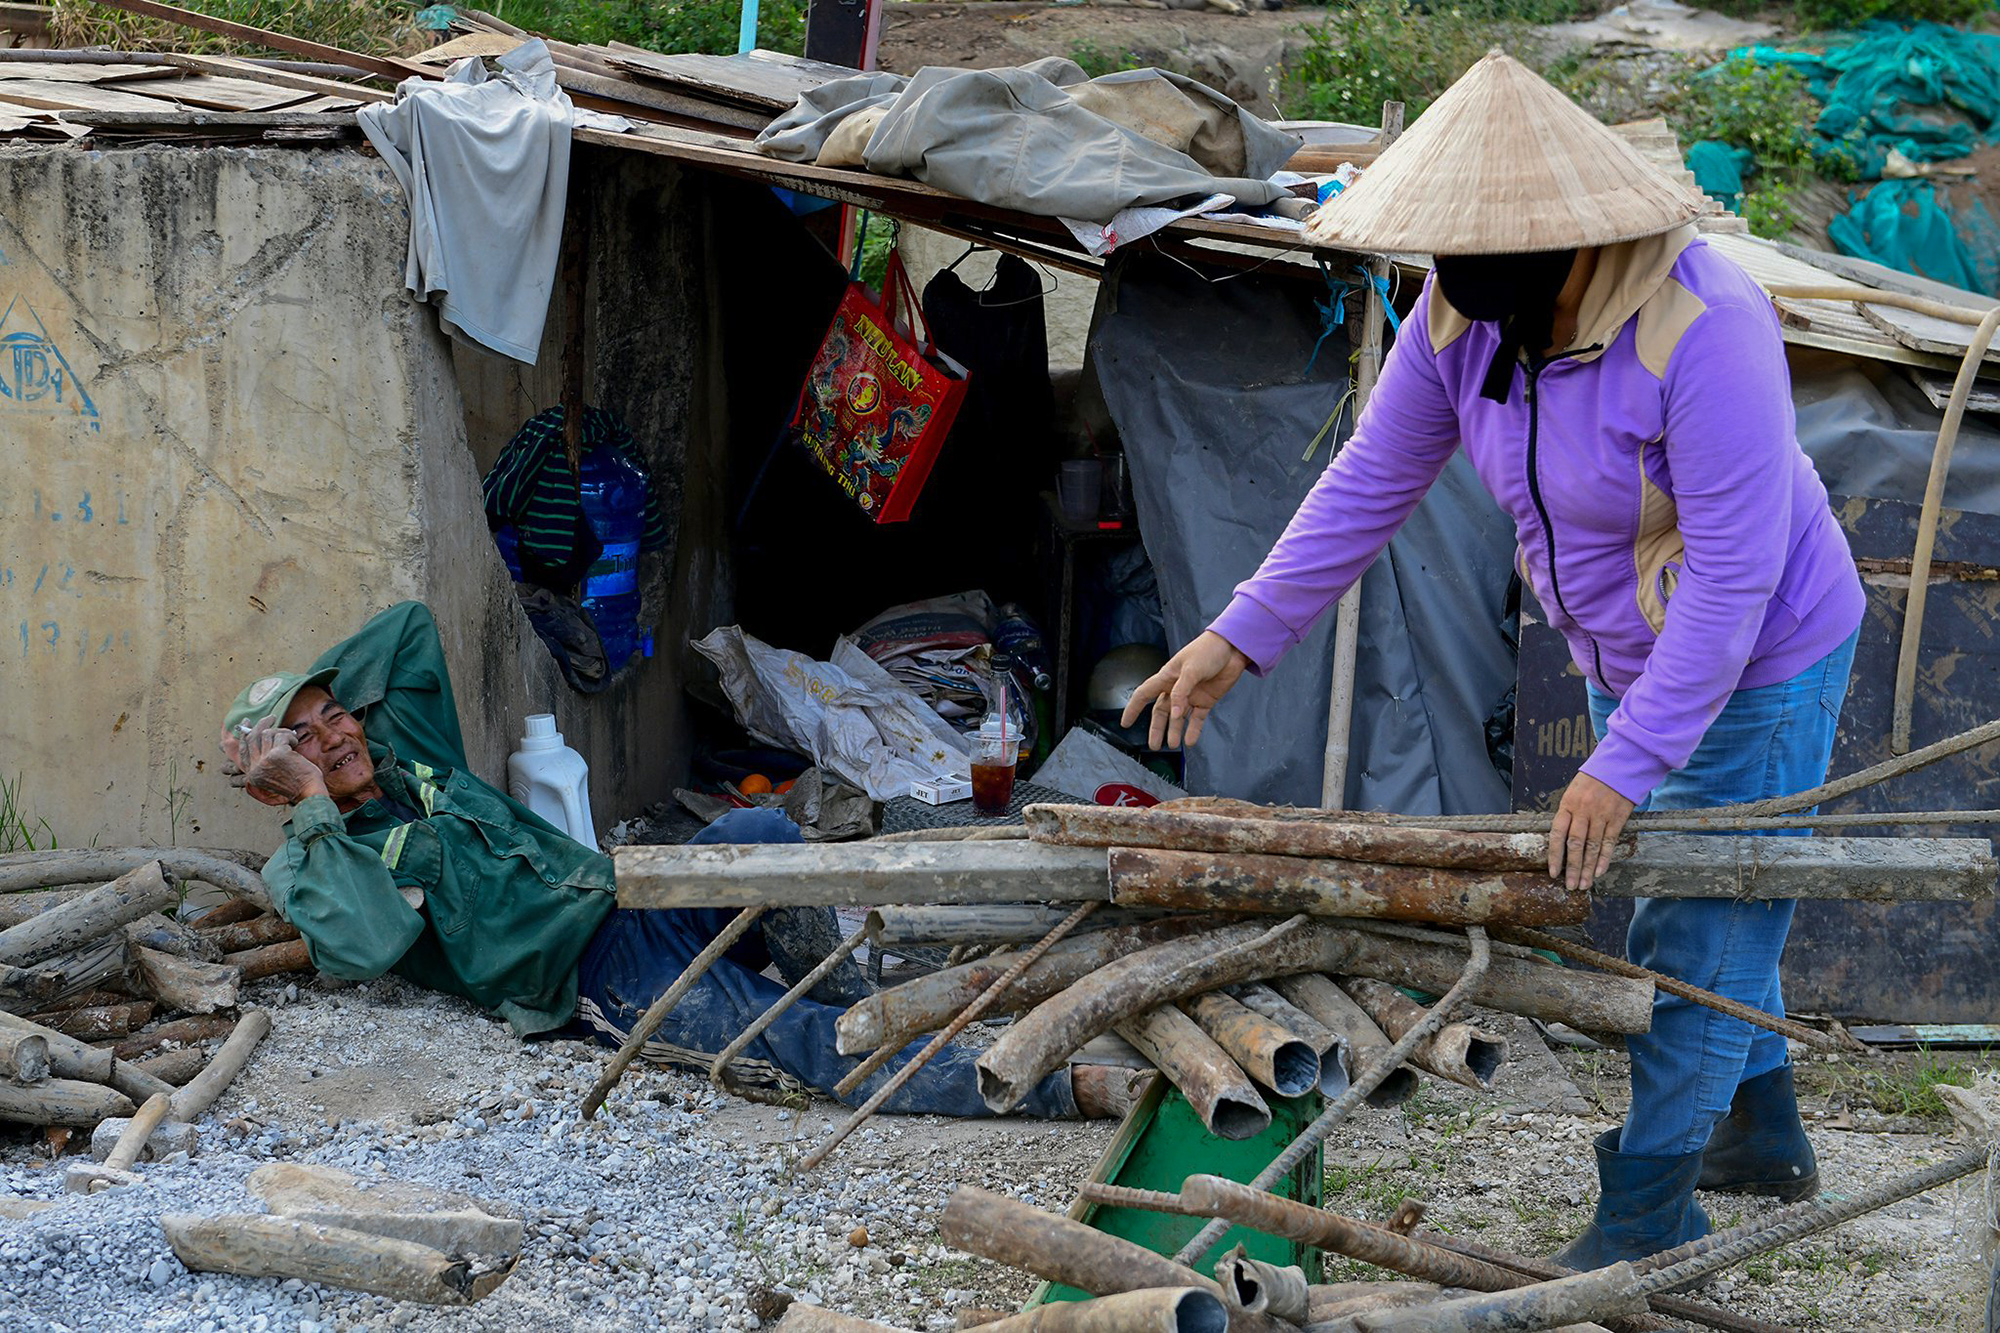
point(1667, 520)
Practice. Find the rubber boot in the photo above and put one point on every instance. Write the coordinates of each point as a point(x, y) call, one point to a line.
point(1644, 1205)
point(1760, 1147)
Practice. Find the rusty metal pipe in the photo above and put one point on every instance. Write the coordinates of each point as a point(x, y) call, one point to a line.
point(1262, 830)
point(878, 1098)
point(1577, 1299)
point(1362, 1042)
point(1153, 1310)
point(980, 924)
point(1234, 882)
point(1212, 1196)
point(1265, 1051)
point(893, 1016)
point(1345, 1298)
point(1459, 1052)
point(1214, 1085)
point(1036, 1044)
point(1722, 1004)
point(1677, 1307)
point(1264, 1288)
point(1010, 1232)
point(1328, 1045)
point(1450, 1260)
point(1534, 989)
point(1477, 961)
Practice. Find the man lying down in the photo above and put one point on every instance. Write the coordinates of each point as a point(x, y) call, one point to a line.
point(397, 859)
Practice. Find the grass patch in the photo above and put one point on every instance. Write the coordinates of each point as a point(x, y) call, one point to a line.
point(678, 25)
point(1097, 61)
point(372, 27)
point(1914, 1091)
point(388, 27)
point(20, 831)
point(1370, 1192)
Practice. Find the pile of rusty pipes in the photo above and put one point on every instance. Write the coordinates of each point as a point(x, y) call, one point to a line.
point(86, 965)
point(1459, 1286)
point(1190, 991)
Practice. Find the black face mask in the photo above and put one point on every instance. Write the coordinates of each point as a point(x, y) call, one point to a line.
point(1517, 292)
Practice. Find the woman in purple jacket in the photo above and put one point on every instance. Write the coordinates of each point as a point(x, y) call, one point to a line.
point(1621, 389)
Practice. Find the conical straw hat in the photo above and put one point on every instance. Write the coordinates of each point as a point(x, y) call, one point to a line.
point(1503, 163)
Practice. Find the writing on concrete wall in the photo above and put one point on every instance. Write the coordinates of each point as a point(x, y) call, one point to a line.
point(57, 609)
point(34, 375)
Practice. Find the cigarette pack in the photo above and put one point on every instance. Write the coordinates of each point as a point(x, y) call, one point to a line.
point(942, 789)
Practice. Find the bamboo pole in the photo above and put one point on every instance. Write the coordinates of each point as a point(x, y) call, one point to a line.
point(1347, 616)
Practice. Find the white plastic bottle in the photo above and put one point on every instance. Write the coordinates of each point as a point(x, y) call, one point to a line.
point(552, 780)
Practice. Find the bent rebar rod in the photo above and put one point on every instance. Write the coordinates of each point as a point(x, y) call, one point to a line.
point(957, 1025)
point(1366, 1082)
point(1711, 1254)
point(718, 1073)
point(649, 1022)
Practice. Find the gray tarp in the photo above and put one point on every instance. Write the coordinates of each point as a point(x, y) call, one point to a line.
point(1869, 431)
point(1207, 383)
point(1041, 138)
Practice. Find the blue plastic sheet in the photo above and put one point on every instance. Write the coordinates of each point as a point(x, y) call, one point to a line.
point(1932, 94)
point(1904, 224)
point(1718, 169)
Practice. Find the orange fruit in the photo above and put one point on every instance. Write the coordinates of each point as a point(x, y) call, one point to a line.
point(754, 785)
point(784, 786)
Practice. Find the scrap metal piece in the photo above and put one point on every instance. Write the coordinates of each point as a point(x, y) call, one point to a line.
point(891, 1017)
point(1036, 1044)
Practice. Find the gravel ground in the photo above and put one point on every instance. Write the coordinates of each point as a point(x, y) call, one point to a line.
point(678, 1210)
point(675, 1211)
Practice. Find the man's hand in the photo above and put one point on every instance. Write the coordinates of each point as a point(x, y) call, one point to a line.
point(263, 763)
point(1183, 691)
point(1585, 832)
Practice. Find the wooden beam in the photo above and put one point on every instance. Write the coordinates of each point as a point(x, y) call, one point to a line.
point(1665, 866)
point(274, 41)
point(858, 874)
point(236, 68)
point(1671, 865)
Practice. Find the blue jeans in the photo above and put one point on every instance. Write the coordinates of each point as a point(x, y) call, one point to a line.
point(1769, 741)
point(636, 955)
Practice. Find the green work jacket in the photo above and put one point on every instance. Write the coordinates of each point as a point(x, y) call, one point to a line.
point(446, 881)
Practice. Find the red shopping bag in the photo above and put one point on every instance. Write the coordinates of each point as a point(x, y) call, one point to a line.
point(880, 398)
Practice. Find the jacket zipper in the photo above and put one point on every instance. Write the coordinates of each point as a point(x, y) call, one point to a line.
point(1532, 375)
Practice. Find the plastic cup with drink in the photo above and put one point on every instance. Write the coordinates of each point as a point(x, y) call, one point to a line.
point(994, 752)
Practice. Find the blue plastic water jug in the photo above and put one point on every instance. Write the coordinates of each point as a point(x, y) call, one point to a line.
point(509, 542)
point(614, 502)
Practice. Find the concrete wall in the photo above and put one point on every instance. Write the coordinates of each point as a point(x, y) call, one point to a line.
point(229, 438)
point(648, 355)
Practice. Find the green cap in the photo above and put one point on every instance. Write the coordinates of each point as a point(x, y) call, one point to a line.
point(270, 697)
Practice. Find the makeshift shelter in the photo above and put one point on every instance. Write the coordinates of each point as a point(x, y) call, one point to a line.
point(241, 437)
